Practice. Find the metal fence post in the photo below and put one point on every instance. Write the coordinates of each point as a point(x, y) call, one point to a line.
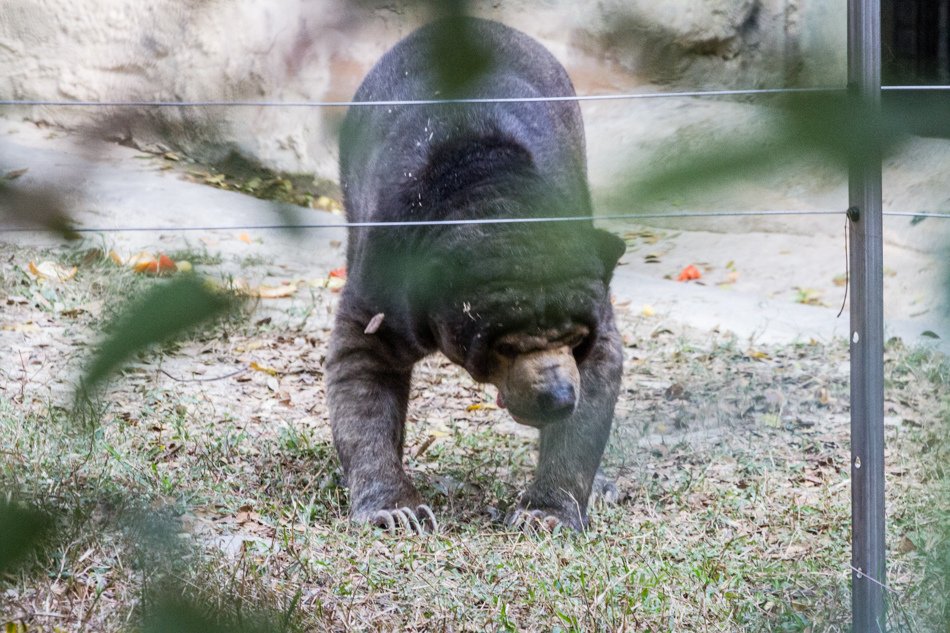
point(867, 328)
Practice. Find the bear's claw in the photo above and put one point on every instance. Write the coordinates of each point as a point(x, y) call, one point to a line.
point(534, 522)
point(419, 521)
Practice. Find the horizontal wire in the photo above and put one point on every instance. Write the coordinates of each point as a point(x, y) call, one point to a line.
point(922, 214)
point(332, 225)
point(410, 223)
point(416, 102)
point(343, 104)
point(861, 574)
point(913, 88)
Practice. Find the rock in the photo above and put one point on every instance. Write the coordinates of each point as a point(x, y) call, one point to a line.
point(300, 50)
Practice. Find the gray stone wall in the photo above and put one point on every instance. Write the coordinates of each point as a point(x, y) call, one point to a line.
point(298, 50)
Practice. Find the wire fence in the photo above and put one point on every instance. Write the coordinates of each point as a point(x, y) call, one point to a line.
point(486, 100)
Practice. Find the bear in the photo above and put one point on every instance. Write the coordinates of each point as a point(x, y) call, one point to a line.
point(476, 270)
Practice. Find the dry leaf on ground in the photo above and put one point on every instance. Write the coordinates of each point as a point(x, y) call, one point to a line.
point(52, 270)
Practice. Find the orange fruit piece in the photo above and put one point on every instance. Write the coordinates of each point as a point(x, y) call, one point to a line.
point(689, 273)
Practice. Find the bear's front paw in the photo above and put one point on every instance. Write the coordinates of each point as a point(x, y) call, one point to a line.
point(418, 521)
point(540, 521)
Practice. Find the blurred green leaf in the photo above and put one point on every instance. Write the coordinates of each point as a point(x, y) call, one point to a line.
point(457, 54)
point(22, 531)
point(828, 126)
point(810, 125)
point(166, 311)
point(459, 57)
point(34, 208)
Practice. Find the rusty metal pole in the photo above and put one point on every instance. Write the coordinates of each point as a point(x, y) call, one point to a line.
point(867, 326)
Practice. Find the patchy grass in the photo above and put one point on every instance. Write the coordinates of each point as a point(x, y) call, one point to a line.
point(732, 462)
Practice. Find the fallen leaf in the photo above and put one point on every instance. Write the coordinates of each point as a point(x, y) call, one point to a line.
point(730, 279)
point(51, 270)
point(275, 292)
point(327, 204)
point(263, 368)
point(73, 312)
point(29, 326)
point(905, 545)
point(244, 237)
point(808, 296)
point(689, 273)
point(647, 310)
point(161, 266)
point(138, 258)
point(339, 273)
point(676, 391)
point(479, 406)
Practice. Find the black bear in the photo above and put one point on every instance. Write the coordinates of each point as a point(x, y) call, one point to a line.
point(520, 304)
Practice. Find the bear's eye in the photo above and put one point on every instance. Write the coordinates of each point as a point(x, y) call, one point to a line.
point(506, 349)
point(574, 340)
point(582, 348)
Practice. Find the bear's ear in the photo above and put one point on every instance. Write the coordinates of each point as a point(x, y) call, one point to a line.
point(610, 248)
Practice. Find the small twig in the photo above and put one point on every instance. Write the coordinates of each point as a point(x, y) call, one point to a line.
point(847, 266)
point(230, 375)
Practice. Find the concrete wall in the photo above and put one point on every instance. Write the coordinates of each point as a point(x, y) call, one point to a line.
point(319, 49)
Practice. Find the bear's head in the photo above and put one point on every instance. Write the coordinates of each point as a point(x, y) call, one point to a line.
point(521, 308)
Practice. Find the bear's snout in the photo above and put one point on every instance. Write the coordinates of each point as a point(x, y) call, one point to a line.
point(557, 402)
point(539, 387)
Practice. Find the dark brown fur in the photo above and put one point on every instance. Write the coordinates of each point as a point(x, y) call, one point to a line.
point(525, 306)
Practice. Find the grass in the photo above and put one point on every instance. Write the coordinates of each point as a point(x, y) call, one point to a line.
point(732, 461)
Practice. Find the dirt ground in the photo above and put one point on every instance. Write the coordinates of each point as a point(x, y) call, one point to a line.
point(207, 466)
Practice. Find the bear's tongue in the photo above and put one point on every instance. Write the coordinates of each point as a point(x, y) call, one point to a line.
point(500, 401)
